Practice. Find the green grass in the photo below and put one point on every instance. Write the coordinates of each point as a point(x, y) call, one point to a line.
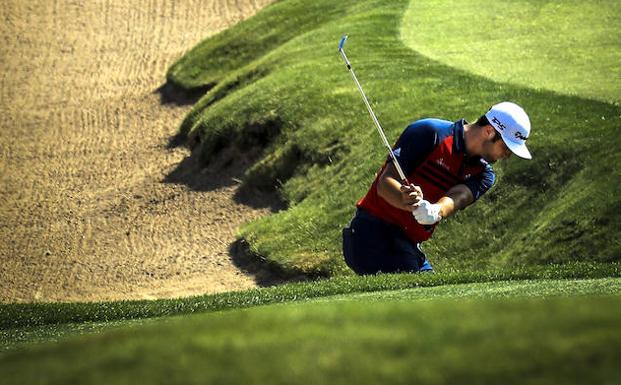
point(569, 340)
point(22, 337)
point(40, 314)
point(34, 323)
point(571, 47)
point(502, 289)
point(528, 286)
point(286, 95)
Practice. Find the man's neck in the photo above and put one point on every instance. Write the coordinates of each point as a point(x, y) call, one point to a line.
point(469, 140)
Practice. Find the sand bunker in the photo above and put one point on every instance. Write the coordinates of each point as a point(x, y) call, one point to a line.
point(84, 211)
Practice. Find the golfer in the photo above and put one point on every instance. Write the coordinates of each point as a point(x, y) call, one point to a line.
point(448, 166)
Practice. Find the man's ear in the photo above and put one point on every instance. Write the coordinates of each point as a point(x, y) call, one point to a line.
point(489, 132)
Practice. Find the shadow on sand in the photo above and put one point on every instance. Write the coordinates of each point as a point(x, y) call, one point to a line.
point(226, 168)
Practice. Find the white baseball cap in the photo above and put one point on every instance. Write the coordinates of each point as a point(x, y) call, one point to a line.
point(513, 124)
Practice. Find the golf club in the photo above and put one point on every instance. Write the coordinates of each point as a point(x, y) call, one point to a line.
point(366, 102)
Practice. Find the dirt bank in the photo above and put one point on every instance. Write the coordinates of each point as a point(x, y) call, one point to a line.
point(85, 213)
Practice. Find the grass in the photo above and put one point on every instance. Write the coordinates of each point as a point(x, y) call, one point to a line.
point(289, 99)
point(520, 340)
point(544, 288)
point(35, 323)
point(532, 296)
point(14, 316)
point(570, 47)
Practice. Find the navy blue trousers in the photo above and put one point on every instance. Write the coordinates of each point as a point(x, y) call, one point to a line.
point(372, 245)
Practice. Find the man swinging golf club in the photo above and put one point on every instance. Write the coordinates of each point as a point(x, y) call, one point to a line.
point(436, 168)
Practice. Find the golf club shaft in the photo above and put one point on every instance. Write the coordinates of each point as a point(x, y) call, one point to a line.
point(366, 102)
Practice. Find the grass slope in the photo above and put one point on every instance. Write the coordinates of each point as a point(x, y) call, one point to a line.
point(285, 95)
point(571, 47)
point(569, 340)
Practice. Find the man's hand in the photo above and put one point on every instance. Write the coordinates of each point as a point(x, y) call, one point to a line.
point(402, 196)
point(427, 213)
point(410, 195)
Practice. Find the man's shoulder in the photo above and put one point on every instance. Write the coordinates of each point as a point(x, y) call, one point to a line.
point(431, 124)
point(430, 128)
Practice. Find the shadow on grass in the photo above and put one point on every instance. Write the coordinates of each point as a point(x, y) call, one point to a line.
point(223, 160)
point(172, 94)
point(265, 273)
point(225, 170)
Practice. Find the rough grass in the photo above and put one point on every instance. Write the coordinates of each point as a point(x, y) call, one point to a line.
point(562, 206)
point(569, 340)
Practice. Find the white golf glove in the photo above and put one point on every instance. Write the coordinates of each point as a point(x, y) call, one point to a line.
point(427, 213)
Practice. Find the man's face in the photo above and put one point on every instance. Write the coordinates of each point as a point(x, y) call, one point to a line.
point(494, 150)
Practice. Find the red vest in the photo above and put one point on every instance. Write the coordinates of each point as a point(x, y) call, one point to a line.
point(443, 169)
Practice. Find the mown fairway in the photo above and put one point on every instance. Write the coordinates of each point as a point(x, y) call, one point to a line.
point(502, 332)
point(28, 323)
point(567, 46)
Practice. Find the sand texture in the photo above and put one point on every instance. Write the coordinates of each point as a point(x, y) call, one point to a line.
point(87, 208)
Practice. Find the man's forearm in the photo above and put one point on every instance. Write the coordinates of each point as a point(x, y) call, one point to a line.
point(389, 190)
point(447, 207)
point(389, 187)
point(456, 199)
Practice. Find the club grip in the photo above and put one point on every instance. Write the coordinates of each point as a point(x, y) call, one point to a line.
point(426, 227)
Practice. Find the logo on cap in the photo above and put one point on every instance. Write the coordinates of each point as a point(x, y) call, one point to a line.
point(498, 123)
point(520, 136)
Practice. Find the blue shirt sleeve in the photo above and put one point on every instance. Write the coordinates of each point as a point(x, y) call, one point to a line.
point(415, 144)
point(480, 183)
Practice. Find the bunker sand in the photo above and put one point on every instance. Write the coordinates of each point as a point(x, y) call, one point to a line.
point(84, 212)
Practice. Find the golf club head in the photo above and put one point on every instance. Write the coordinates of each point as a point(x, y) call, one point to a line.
point(342, 43)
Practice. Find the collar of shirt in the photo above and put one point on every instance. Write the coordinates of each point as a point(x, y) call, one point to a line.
point(459, 143)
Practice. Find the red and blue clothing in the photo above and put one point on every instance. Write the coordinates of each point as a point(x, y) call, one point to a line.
point(433, 157)
point(432, 154)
